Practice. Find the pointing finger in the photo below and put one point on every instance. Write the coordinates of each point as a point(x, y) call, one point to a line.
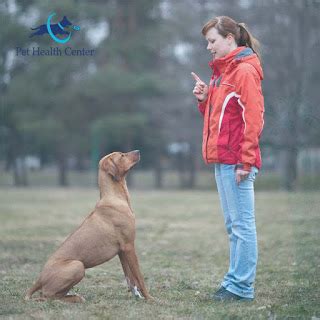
point(196, 77)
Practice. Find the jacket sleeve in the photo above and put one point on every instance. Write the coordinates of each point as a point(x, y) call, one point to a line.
point(251, 101)
point(202, 106)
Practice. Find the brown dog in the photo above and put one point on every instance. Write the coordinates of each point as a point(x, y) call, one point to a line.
point(108, 231)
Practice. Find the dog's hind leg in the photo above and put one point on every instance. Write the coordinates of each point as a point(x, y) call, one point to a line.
point(60, 277)
point(33, 289)
point(37, 33)
point(68, 298)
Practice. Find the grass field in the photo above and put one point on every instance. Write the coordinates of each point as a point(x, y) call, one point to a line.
point(182, 247)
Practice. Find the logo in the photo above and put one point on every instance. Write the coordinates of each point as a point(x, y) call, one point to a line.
point(61, 28)
point(60, 33)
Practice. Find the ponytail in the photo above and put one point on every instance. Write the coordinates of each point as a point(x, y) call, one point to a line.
point(248, 40)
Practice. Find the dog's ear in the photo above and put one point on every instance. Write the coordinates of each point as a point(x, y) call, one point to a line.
point(111, 168)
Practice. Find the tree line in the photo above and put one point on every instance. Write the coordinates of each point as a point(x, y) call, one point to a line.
point(135, 92)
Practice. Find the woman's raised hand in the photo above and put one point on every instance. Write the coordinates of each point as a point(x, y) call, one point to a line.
point(200, 90)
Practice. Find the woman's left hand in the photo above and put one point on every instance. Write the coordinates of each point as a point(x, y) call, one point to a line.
point(241, 175)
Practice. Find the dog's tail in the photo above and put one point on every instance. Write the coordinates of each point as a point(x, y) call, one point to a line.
point(35, 28)
point(32, 290)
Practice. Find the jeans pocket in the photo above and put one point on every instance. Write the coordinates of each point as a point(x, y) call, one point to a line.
point(252, 175)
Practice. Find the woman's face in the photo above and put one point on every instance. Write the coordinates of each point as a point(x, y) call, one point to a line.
point(218, 45)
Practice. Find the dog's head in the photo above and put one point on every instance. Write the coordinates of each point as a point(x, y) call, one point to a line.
point(117, 164)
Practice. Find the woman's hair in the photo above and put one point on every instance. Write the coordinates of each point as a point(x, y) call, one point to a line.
point(242, 36)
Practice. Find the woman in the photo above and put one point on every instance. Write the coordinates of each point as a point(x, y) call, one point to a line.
point(233, 110)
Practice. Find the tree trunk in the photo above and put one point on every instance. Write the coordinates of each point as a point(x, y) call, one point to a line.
point(294, 127)
point(192, 166)
point(158, 172)
point(80, 162)
point(129, 148)
point(20, 175)
point(62, 168)
point(181, 167)
point(290, 170)
point(15, 157)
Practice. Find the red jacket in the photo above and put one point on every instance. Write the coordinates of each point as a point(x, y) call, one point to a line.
point(233, 111)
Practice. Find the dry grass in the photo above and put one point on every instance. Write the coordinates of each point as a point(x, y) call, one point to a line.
point(183, 254)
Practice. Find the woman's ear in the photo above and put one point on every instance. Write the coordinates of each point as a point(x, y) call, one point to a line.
point(230, 39)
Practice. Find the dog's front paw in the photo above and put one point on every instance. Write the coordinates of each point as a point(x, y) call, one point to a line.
point(136, 292)
point(151, 298)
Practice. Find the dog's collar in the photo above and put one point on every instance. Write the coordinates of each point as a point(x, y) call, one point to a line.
point(60, 26)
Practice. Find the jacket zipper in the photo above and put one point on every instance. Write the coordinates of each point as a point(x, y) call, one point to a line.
point(210, 109)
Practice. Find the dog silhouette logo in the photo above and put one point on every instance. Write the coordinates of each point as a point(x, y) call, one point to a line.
point(61, 28)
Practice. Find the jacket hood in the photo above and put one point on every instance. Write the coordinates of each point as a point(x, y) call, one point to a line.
point(239, 55)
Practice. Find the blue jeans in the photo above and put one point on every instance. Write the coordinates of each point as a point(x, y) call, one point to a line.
point(237, 202)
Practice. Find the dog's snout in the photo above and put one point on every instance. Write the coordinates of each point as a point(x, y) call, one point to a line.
point(135, 155)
